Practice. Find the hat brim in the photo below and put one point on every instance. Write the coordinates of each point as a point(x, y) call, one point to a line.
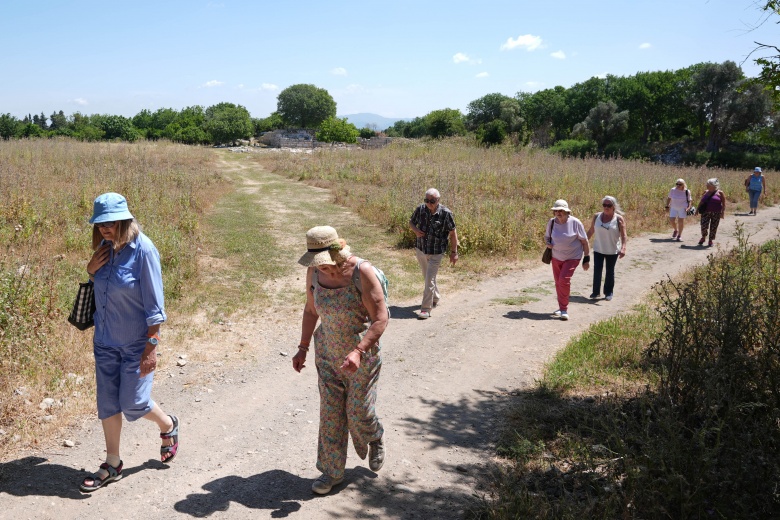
point(567, 210)
point(316, 259)
point(111, 217)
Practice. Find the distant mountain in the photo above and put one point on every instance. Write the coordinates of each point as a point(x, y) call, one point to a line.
point(373, 121)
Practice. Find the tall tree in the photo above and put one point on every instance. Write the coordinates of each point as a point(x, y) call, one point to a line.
point(445, 123)
point(226, 122)
point(58, 121)
point(305, 106)
point(604, 124)
point(8, 126)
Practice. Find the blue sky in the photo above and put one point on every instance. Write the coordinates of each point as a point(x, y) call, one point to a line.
point(402, 58)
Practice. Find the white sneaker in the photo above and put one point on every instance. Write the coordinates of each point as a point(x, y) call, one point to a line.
point(564, 315)
point(324, 484)
point(424, 315)
point(557, 313)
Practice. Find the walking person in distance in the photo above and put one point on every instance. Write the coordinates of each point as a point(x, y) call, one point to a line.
point(566, 236)
point(609, 229)
point(434, 226)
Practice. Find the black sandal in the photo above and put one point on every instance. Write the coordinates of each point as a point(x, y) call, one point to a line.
point(173, 448)
point(114, 473)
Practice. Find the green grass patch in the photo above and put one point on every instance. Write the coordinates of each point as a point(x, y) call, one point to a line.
point(670, 411)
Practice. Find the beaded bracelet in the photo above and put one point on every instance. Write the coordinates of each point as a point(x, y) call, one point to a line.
point(305, 348)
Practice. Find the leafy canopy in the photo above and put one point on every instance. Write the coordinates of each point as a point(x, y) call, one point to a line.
point(305, 106)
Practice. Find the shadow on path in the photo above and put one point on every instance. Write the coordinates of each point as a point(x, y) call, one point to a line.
point(34, 476)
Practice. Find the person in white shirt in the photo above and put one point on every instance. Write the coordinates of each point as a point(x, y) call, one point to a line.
point(678, 202)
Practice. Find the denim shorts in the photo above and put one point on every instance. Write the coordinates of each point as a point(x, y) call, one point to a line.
point(120, 387)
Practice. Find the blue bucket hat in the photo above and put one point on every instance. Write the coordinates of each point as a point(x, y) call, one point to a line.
point(757, 169)
point(109, 207)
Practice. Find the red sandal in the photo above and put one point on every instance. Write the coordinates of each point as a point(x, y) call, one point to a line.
point(173, 448)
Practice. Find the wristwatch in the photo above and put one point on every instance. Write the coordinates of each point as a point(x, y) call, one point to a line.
point(154, 340)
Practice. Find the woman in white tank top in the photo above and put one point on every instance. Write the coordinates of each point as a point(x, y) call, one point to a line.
point(609, 244)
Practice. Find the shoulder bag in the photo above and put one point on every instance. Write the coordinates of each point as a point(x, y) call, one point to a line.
point(547, 254)
point(83, 314)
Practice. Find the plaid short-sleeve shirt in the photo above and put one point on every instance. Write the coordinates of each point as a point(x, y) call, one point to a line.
point(436, 226)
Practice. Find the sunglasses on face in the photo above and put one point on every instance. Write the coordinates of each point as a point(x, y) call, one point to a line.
point(679, 184)
point(106, 224)
point(606, 205)
point(430, 201)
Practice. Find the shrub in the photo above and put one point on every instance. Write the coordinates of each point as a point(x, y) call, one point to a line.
point(574, 148)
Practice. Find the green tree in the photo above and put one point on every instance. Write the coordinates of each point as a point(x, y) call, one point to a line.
point(226, 122)
point(118, 127)
point(272, 122)
point(335, 130)
point(305, 106)
point(8, 126)
point(769, 77)
point(444, 123)
point(546, 114)
point(59, 121)
point(492, 133)
point(603, 124)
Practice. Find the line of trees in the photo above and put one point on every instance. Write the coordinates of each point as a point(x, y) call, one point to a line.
point(710, 102)
point(298, 106)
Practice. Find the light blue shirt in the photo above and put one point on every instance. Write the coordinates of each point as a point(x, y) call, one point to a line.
point(129, 294)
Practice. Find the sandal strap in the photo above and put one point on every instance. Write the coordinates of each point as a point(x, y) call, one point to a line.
point(174, 433)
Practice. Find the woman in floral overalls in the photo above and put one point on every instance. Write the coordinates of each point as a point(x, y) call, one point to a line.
point(353, 314)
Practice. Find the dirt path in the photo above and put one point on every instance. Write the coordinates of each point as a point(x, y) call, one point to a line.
point(249, 430)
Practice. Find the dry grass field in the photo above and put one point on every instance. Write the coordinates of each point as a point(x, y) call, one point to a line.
point(46, 193)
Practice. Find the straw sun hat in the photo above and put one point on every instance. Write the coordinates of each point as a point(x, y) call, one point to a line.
point(320, 241)
point(561, 204)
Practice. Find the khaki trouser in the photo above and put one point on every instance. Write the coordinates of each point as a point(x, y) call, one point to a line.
point(429, 265)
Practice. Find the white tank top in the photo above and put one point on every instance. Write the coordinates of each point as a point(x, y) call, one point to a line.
point(606, 236)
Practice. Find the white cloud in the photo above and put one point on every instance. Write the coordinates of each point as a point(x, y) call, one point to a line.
point(81, 101)
point(560, 55)
point(527, 41)
point(268, 86)
point(213, 83)
point(339, 71)
point(460, 58)
point(645, 46)
point(464, 58)
point(603, 75)
point(240, 85)
point(534, 85)
point(482, 75)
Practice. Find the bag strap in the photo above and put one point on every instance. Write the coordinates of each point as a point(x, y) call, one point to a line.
point(356, 276)
point(549, 228)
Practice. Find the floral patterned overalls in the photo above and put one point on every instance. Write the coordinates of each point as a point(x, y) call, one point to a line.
point(347, 401)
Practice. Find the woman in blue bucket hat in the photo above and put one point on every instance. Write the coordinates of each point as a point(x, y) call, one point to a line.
point(125, 270)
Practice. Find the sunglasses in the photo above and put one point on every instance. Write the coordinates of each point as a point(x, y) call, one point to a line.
point(606, 205)
point(106, 224)
point(679, 184)
point(430, 201)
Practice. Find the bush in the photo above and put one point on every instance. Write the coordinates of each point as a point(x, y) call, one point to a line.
point(574, 148)
point(627, 150)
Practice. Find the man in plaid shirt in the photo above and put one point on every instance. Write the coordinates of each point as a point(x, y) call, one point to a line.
point(434, 226)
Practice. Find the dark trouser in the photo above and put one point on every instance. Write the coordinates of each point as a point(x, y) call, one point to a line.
point(709, 221)
point(609, 280)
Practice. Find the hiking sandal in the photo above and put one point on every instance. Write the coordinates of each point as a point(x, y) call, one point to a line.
point(173, 448)
point(114, 473)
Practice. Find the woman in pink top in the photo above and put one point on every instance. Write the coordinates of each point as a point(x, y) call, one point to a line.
point(566, 236)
